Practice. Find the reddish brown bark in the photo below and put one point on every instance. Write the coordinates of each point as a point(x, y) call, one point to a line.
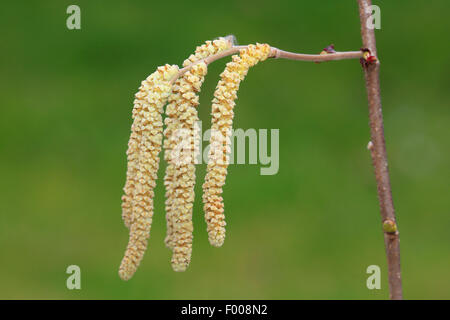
point(378, 152)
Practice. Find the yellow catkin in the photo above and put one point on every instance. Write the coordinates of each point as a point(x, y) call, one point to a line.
point(181, 163)
point(222, 119)
point(181, 113)
point(143, 160)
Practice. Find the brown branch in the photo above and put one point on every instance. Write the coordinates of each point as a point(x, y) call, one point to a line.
point(278, 54)
point(378, 152)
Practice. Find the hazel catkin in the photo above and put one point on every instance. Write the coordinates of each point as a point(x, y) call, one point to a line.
point(181, 150)
point(143, 161)
point(222, 119)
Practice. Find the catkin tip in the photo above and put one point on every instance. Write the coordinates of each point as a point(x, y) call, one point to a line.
point(215, 242)
point(124, 275)
point(179, 267)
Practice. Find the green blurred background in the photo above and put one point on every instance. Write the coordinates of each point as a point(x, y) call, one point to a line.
point(308, 232)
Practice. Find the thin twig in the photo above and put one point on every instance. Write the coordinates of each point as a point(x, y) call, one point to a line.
point(378, 152)
point(278, 54)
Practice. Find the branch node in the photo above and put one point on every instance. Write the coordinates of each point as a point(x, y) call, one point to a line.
point(389, 226)
point(367, 58)
point(327, 50)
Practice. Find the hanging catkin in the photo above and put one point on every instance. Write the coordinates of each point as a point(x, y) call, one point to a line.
point(172, 124)
point(182, 162)
point(143, 160)
point(222, 119)
point(181, 150)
